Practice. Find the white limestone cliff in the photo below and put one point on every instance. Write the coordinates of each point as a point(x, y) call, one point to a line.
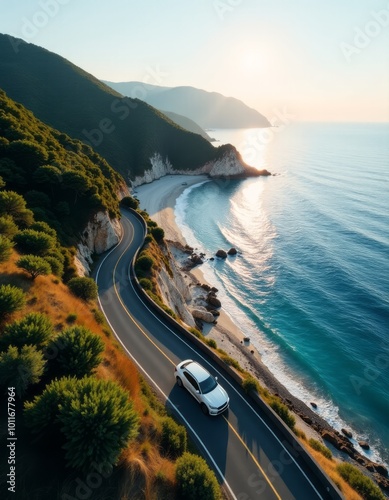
point(230, 165)
point(100, 234)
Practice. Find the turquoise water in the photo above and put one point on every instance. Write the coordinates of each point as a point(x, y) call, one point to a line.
point(310, 284)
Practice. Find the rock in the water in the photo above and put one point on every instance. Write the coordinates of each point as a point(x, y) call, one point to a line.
point(347, 433)
point(232, 251)
point(313, 404)
point(206, 287)
point(221, 253)
point(364, 444)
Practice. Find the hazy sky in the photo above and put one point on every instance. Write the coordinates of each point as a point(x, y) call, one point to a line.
point(316, 60)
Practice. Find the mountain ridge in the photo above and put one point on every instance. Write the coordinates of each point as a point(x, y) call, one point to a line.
point(208, 109)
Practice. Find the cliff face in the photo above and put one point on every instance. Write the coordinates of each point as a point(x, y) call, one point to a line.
point(175, 292)
point(100, 234)
point(229, 165)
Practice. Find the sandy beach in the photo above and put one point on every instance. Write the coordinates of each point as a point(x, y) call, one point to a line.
point(158, 199)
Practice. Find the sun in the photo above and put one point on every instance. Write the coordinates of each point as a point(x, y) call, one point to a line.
point(252, 62)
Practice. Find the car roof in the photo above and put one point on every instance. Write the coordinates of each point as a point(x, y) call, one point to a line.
point(197, 371)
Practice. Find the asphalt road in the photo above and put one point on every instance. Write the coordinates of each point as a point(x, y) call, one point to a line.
point(246, 452)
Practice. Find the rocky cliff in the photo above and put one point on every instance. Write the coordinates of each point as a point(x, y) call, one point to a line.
point(230, 165)
point(100, 234)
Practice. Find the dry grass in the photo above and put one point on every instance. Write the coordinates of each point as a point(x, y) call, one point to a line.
point(329, 466)
point(145, 473)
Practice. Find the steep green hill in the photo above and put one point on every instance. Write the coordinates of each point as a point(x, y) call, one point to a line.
point(63, 180)
point(126, 132)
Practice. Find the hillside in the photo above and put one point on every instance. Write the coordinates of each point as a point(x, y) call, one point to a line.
point(126, 132)
point(63, 180)
point(186, 123)
point(208, 109)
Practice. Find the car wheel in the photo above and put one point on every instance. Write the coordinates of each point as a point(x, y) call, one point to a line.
point(179, 381)
point(204, 409)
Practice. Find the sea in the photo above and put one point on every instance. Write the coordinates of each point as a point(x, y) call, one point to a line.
point(310, 282)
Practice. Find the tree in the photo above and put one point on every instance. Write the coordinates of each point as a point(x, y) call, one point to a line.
point(8, 228)
point(37, 199)
point(12, 299)
point(76, 182)
point(83, 287)
point(79, 352)
point(158, 233)
point(5, 248)
point(2, 183)
point(35, 266)
point(27, 152)
point(195, 479)
point(130, 202)
point(94, 417)
point(55, 264)
point(144, 262)
point(33, 329)
point(20, 369)
point(34, 242)
point(43, 227)
point(11, 203)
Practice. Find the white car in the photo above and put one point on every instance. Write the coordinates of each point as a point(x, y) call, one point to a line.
point(203, 386)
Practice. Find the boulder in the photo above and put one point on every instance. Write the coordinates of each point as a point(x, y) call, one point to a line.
point(381, 469)
point(222, 254)
point(214, 301)
point(313, 404)
point(364, 444)
point(232, 251)
point(206, 287)
point(203, 314)
point(347, 433)
point(214, 289)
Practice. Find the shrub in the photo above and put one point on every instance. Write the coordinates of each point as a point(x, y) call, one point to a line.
point(196, 332)
point(99, 316)
point(21, 368)
point(158, 234)
point(130, 202)
point(12, 299)
point(8, 228)
point(34, 242)
point(283, 412)
point(35, 266)
point(318, 446)
point(195, 479)
point(232, 362)
point(361, 483)
point(250, 384)
point(83, 287)
point(5, 248)
point(79, 352)
point(173, 438)
point(146, 284)
point(211, 343)
point(55, 264)
point(145, 263)
point(43, 227)
point(94, 418)
point(34, 329)
point(71, 318)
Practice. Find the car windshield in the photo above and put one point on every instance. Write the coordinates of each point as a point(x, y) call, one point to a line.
point(208, 385)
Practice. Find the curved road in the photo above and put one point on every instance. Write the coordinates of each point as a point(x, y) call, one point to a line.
point(247, 453)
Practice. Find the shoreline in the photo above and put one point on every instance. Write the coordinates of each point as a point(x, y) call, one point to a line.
point(159, 199)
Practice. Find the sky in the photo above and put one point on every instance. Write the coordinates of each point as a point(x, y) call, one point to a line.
point(311, 60)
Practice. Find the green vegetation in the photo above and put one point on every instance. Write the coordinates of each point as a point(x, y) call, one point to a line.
point(173, 438)
point(20, 368)
point(158, 233)
point(83, 287)
point(144, 263)
point(126, 132)
point(54, 183)
point(11, 299)
point(318, 446)
point(35, 266)
point(130, 202)
point(283, 412)
point(361, 483)
point(79, 353)
point(5, 248)
point(33, 329)
point(93, 417)
point(195, 479)
point(250, 384)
